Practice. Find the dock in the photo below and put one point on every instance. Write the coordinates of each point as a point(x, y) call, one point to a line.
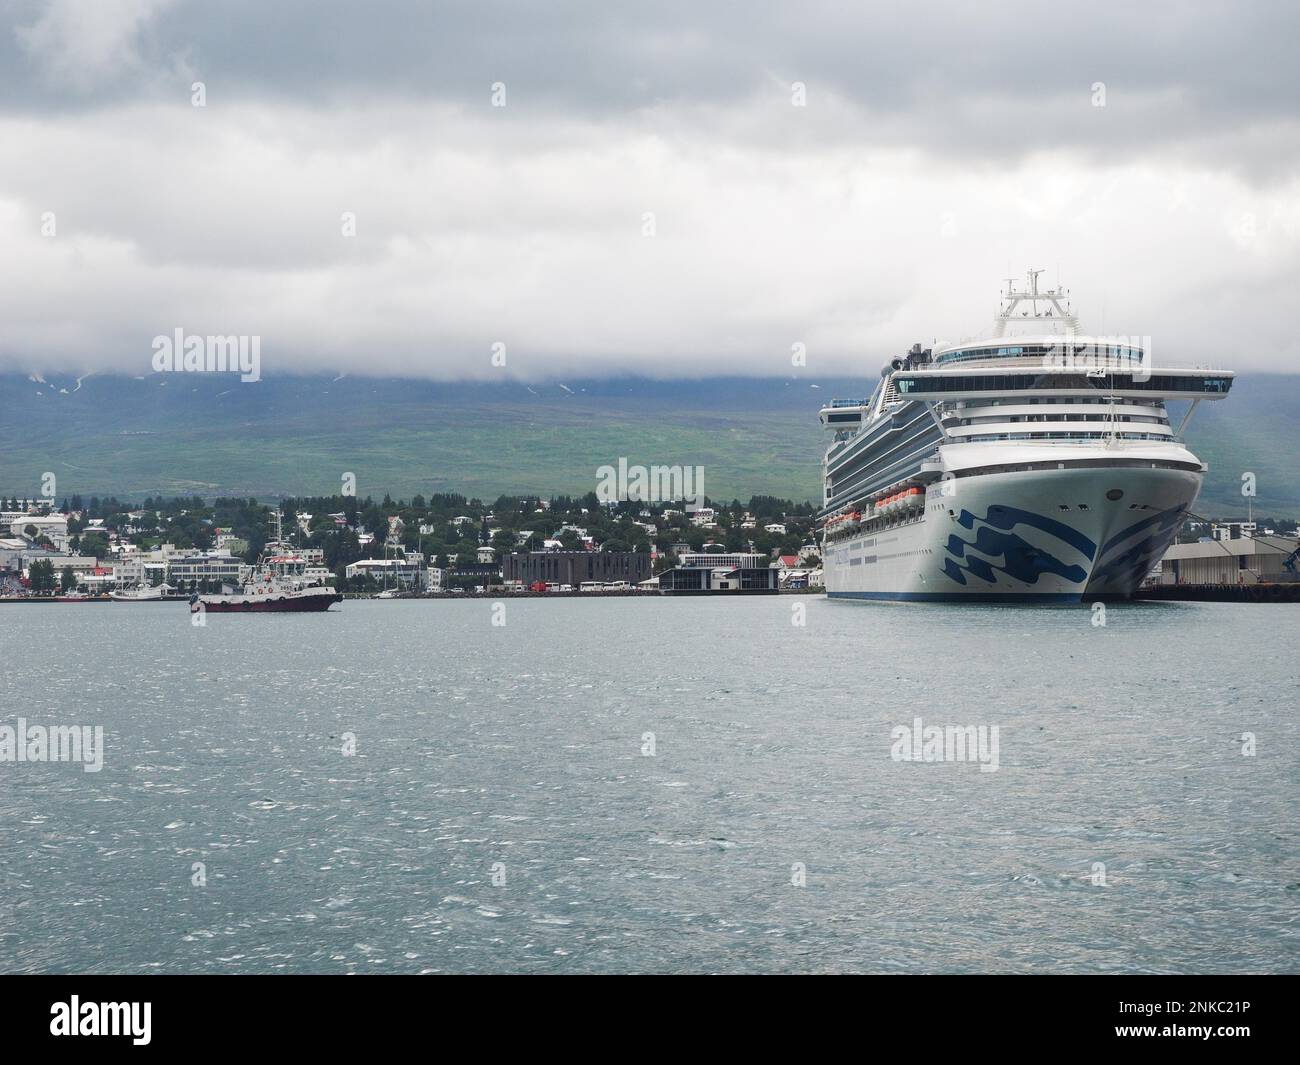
point(1261, 592)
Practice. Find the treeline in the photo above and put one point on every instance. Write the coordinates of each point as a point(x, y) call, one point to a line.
point(452, 528)
point(448, 528)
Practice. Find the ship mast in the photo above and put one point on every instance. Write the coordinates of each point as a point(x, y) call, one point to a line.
point(1030, 294)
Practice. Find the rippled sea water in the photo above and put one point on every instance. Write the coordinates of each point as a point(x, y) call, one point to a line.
point(518, 750)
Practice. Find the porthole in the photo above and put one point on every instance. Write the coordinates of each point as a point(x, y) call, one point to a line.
point(1114, 494)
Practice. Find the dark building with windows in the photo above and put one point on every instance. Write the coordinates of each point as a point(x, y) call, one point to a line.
point(576, 567)
point(479, 574)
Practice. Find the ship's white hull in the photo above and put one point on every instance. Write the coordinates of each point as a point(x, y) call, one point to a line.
point(1004, 536)
point(143, 595)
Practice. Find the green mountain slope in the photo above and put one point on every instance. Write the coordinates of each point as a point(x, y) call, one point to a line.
point(199, 434)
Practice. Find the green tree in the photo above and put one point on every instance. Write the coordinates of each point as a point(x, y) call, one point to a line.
point(40, 576)
point(93, 544)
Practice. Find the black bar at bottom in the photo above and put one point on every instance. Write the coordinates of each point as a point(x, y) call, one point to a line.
point(336, 1014)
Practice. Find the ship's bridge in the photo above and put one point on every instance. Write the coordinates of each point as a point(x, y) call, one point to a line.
point(845, 415)
point(984, 382)
point(1065, 350)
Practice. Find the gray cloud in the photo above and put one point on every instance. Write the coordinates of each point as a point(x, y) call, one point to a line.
point(1004, 76)
point(941, 147)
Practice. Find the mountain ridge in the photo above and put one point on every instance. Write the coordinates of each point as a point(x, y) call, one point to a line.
point(209, 434)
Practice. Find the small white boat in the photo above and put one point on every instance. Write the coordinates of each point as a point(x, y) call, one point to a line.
point(141, 593)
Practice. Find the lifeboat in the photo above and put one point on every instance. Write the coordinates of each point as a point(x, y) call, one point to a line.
point(838, 523)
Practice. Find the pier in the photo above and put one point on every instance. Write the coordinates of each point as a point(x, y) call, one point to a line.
point(1262, 592)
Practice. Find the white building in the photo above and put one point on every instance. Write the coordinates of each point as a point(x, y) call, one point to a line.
point(139, 568)
point(214, 567)
point(721, 560)
point(53, 526)
point(391, 572)
point(171, 565)
point(1233, 530)
point(79, 564)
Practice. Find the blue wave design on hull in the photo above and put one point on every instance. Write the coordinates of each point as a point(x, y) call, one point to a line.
point(1129, 567)
point(1009, 517)
point(1164, 519)
point(1022, 560)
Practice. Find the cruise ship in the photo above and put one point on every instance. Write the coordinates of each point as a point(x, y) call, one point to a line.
point(1037, 464)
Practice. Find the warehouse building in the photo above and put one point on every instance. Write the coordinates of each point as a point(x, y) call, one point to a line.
point(1245, 560)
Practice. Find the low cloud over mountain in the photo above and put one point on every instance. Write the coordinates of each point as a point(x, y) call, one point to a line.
point(681, 190)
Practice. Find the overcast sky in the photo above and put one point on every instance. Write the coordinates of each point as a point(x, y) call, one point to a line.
point(942, 148)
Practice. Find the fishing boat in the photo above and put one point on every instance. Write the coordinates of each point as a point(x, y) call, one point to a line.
point(141, 593)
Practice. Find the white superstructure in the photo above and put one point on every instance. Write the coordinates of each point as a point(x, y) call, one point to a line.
point(1035, 466)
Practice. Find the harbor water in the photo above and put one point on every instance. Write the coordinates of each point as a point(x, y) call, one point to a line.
point(654, 785)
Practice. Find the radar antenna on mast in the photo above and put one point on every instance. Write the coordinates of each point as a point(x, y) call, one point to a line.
point(1054, 297)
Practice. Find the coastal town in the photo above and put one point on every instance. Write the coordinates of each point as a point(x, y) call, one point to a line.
point(445, 544)
point(102, 549)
